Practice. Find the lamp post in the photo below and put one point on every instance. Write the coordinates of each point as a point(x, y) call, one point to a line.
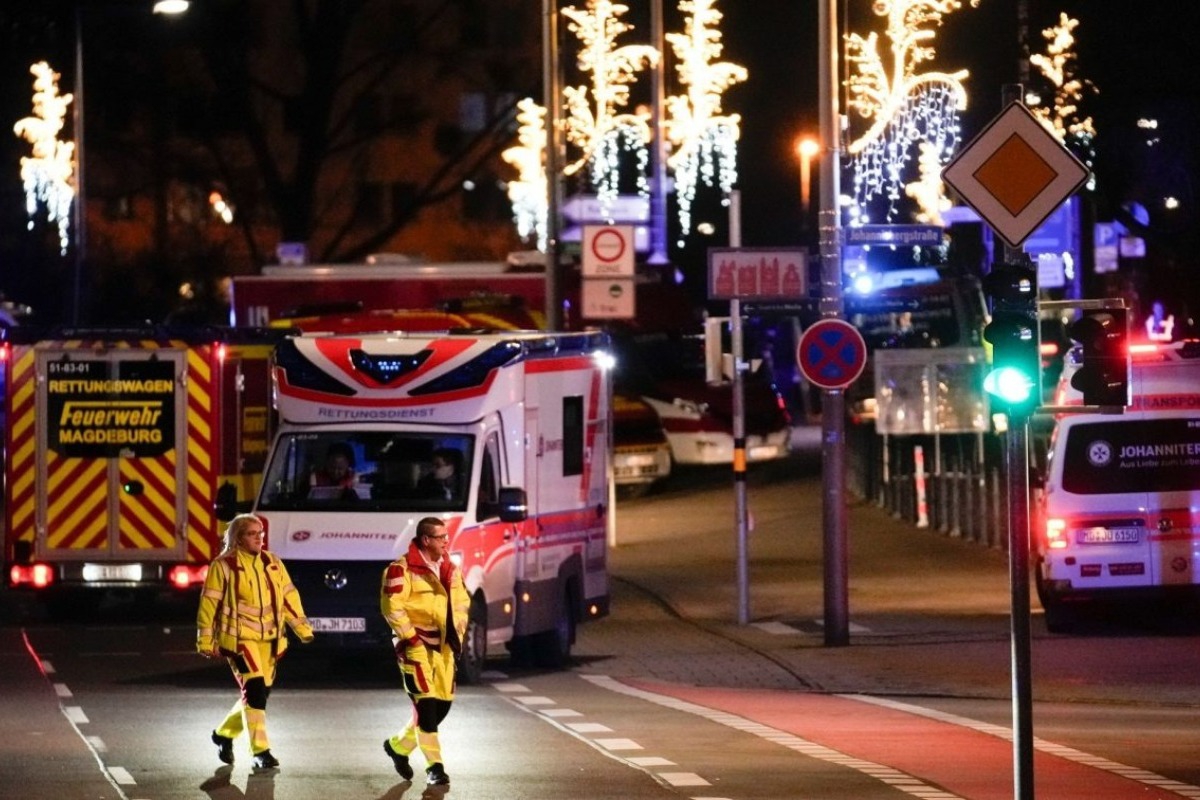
point(807, 149)
point(169, 7)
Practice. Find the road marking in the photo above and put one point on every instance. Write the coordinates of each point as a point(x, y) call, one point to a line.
point(1062, 751)
point(683, 779)
point(560, 712)
point(61, 690)
point(510, 688)
point(894, 777)
point(122, 776)
point(47, 667)
point(97, 744)
point(651, 761)
point(618, 744)
point(75, 714)
point(534, 700)
point(589, 727)
point(777, 628)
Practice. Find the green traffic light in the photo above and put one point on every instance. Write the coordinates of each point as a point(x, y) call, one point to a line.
point(1009, 384)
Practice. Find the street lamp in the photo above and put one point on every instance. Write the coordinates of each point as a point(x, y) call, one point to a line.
point(807, 149)
point(169, 7)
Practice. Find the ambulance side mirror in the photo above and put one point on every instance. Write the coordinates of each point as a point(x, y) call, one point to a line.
point(226, 506)
point(513, 505)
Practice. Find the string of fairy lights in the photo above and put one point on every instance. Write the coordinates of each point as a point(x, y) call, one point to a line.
point(48, 173)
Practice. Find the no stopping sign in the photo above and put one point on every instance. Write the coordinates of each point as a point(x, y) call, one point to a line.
point(831, 354)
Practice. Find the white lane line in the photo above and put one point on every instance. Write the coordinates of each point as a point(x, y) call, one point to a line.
point(560, 712)
point(777, 628)
point(589, 727)
point(618, 744)
point(122, 776)
point(1062, 751)
point(61, 690)
point(510, 688)
point(75, 714)
point(47, 670)
point(535, 700)
point(97, 743)
point(683, 779)
point(651, 761)
point(811, 749)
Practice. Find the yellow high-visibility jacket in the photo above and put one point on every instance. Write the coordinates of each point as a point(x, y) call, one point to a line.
point(421, 606)
point(231, 611)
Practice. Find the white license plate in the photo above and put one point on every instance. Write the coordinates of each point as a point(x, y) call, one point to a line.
point(1109, 536)
point(338, 624)
point(112, 572)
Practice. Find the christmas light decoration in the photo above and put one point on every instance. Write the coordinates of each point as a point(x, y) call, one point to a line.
point(529, 193)
point(48, 174)
point(1063, 118)
point(703, 140)
point(594, 123)
point(904, 106)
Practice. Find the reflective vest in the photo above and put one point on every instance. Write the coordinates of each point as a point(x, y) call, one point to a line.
point(231, 610)
point(422, 606)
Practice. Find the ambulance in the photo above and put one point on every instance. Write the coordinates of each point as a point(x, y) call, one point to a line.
point(117, 445)
point(524, 420)
point(1118, 513)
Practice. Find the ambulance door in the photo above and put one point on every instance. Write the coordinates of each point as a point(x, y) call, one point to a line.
point(527, 545)
point(112, 455)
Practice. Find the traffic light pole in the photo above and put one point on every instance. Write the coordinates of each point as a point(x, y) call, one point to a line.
point(1016, 464)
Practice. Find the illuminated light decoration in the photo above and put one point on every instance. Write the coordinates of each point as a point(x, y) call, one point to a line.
point(904, 107)
point(220, 207)
point(48, 174)
point(1063, 119)
point(529, 193)
point(593, 122)
point(929, 192)
point(703, 140)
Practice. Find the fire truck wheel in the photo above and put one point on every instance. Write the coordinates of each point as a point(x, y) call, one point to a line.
point(473, 658)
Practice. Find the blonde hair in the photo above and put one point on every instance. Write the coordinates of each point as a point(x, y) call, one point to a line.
point(237, 526)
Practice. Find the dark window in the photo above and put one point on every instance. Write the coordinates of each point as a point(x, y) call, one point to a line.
point(573, 435)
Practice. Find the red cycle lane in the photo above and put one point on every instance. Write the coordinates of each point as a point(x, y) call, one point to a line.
point(967, 762)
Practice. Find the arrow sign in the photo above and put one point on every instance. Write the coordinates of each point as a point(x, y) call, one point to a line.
point(621, 208)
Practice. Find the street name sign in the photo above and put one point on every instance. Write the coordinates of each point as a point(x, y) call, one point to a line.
point(1015, 174)
point(912, 235)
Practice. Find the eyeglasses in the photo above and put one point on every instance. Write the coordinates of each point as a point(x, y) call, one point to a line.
point(258, 532)
point(441, 537)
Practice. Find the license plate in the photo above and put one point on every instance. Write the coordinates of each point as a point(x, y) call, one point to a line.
point(338, 624)
point(100, 573)
point(1109, 536)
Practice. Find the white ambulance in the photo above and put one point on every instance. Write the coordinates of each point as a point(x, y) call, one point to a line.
point(523, 420)
point(1118, 515)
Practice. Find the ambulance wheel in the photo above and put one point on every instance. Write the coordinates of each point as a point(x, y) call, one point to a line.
point(473, 658)
point(1060, 617)
point(552, 648)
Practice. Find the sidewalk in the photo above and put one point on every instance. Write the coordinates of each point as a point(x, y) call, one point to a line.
point(929, 614)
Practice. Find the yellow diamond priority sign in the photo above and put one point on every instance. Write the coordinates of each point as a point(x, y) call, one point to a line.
point(1015, 174)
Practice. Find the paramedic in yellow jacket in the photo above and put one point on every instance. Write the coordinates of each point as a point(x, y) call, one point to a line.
point(247, 599)
point(425, 603)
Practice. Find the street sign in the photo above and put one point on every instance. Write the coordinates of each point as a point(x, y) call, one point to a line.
point(573, 234)
point(1015, 174)
point(912, 235)
point(831, 354)
point(611, 298)
point(757, 274)
point(611, 210)
point(607, 251)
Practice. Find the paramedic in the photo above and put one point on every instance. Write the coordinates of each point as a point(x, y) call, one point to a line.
point(441, 482)
point(426, 605)
point(247, 600)
point(339, 468)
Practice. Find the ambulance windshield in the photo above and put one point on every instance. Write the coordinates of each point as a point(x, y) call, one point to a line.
point(368, 471)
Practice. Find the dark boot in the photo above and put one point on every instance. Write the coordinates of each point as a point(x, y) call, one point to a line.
point(398, 761)
point(224, 747)
point(265, 760)
point(435, 775)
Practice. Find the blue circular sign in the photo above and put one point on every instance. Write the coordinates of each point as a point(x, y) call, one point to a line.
point(831, 354)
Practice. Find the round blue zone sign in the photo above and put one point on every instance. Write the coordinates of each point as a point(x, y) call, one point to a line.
point(831, 354)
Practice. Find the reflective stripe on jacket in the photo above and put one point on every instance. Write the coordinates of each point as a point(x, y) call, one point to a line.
point(218, 617)
point(420, 605)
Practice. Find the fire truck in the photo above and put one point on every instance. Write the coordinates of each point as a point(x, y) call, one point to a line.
point(1117, 514)
point(117, 444)
point(524, 417)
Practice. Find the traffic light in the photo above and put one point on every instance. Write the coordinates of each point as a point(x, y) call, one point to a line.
point(1103, 376)
point(1015, 379)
